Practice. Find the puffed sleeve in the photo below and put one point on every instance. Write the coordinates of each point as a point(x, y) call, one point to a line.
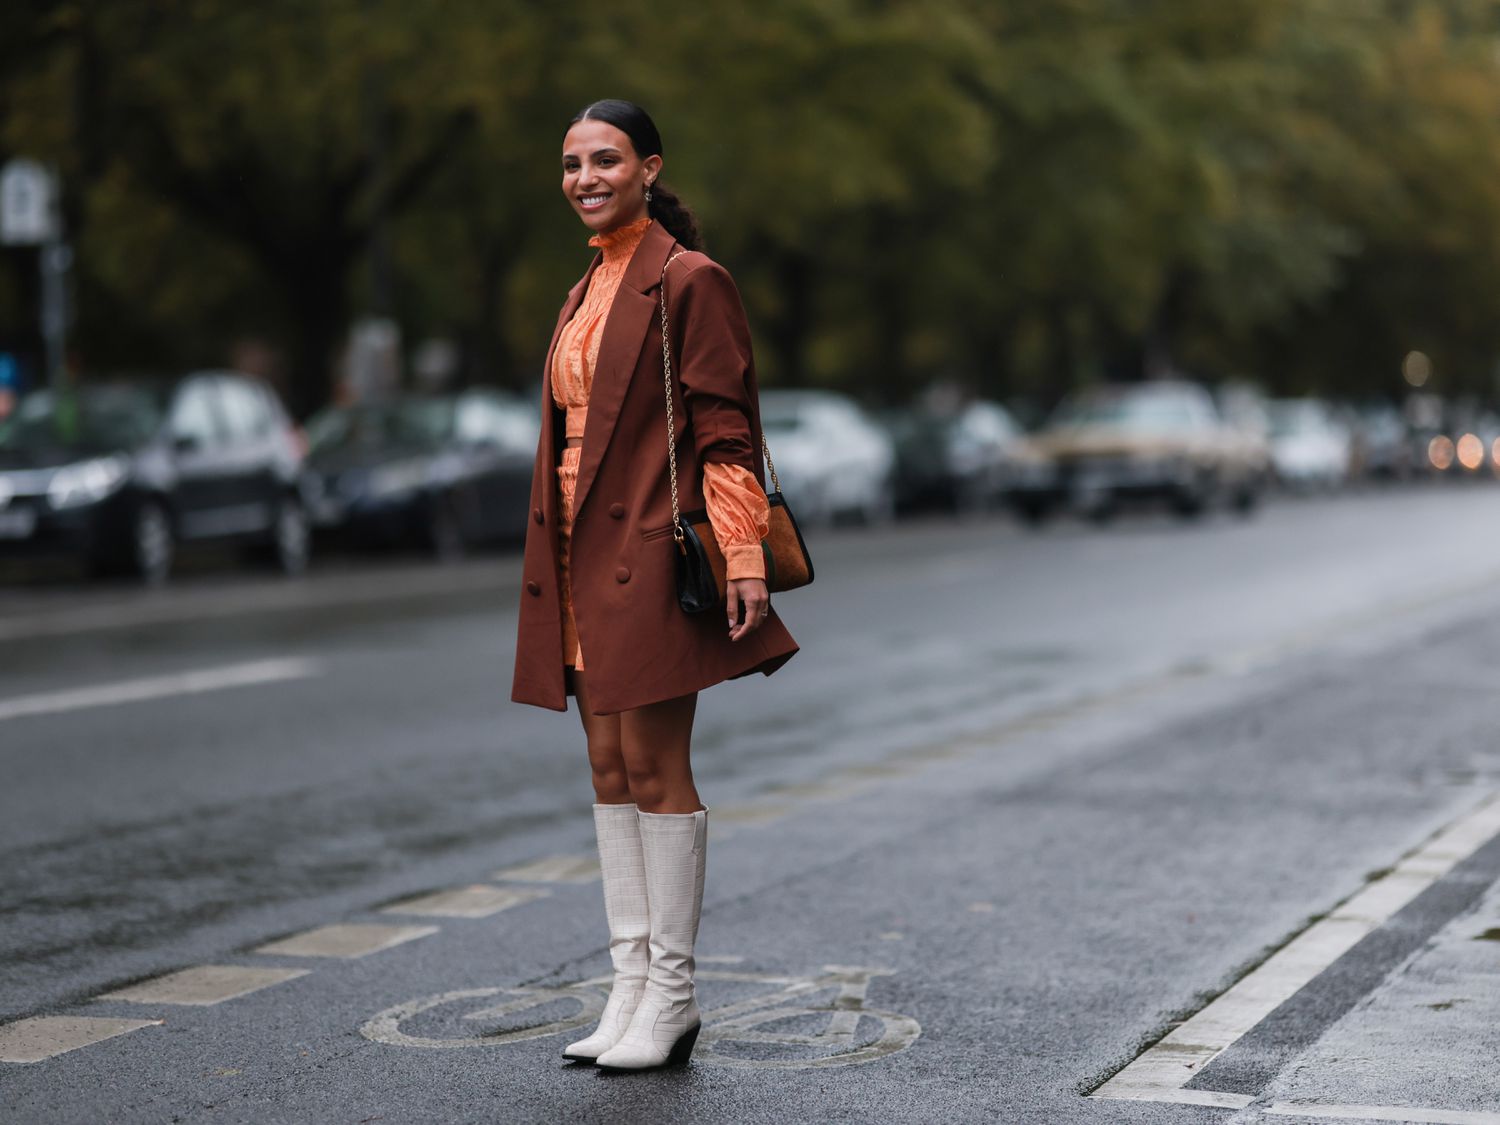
point(711, 348)
point(740, 515)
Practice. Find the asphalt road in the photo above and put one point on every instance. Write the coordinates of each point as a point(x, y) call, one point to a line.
point(1158, 822)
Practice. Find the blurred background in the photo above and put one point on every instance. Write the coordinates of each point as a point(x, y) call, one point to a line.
point(946, 217)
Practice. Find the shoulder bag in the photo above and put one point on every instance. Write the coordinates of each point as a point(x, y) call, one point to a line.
point(701, 569)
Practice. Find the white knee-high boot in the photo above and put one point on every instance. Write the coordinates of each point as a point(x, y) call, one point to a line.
point(666, 1021)
point(623, 872)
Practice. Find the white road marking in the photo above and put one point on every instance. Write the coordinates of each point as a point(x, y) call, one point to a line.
point(159, 687)
point(345, 939)
point(1383, 1113)
point(553, 869)
point(479, 900)
point(1196, 1097)
point(1164, 1069)
point(41, 1037)
point(203, 985)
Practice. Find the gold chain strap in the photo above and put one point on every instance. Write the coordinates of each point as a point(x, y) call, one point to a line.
point(666, 364)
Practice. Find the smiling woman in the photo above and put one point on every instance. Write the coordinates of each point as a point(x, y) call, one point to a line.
point(600, 566)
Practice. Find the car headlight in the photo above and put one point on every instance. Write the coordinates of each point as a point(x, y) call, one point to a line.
point(86, 482)
point(407, 476)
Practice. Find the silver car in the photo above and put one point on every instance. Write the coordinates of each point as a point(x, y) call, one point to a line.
point(831, 458)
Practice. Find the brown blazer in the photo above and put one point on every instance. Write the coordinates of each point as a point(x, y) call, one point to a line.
point(638, 645)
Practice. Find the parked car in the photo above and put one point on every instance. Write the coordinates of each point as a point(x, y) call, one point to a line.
point(1152, 442)
point(832, 460)
point(1382, 445)
point(961, 459)
point(119, 474)
point(1310, 447)
point(443, 471)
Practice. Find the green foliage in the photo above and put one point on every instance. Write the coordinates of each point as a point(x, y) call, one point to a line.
point(1021, 194)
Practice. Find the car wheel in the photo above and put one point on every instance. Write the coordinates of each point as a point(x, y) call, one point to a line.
point(881, 509)
point(445, 534)
point(291, 542)
point(1193, 500)
point(151, 545)
point(1031, 512)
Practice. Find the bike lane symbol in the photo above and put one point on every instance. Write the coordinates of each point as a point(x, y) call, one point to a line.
point(809, 1021)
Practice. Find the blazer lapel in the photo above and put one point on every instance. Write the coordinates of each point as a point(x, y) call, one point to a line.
point(632, 316)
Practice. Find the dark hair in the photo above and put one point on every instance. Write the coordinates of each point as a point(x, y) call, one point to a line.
point(665, 207)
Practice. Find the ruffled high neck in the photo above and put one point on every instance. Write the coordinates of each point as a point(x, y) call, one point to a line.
point(619, 244)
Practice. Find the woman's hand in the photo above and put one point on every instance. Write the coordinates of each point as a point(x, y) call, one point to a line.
point(756, 598)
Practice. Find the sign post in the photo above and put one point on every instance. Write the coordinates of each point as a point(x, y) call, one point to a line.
point(31, 215)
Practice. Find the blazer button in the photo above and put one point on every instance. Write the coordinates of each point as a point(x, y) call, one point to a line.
point(536, 514)
point(622, 574)
point(534, 588)
point(617, 511)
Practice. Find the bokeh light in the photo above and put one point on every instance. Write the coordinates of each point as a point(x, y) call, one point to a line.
point(1417, 368)
point(1470, 452)
point(1440, 452)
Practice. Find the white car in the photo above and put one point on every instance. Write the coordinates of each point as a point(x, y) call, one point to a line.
point(832, 460)
point(1310, 447)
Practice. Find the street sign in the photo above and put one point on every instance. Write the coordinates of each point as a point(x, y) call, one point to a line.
point(28, 204)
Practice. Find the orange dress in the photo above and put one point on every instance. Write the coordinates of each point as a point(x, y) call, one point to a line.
point(736, 503)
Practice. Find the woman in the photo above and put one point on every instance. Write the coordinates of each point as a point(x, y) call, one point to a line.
point(599, 573)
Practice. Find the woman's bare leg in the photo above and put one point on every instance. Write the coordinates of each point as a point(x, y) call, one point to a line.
point(611, 783)
point(655, 741)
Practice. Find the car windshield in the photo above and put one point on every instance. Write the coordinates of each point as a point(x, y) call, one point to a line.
point(781, 421)
point(424, 423)
point(1143, 413)
point(90, 419)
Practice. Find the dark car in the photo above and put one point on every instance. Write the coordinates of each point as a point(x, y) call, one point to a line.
point(961, 459)
point(119, 474)
point(443, 471)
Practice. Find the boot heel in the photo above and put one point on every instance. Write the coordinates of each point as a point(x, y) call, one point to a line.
point(682, 1050)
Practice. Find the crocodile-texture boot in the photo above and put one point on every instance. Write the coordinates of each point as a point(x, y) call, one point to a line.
point(623, 873)
point(666, 1022)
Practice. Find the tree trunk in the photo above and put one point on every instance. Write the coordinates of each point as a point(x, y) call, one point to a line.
point(791, 327)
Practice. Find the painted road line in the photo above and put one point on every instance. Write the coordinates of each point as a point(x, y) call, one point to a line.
point(345, 939)
point(203, 985)
point(553, 869)
point(479, 900)
point(160, 687)
point(1383, 1113)
point(1172, 1062)
point(749, 813)
point(41, 1037)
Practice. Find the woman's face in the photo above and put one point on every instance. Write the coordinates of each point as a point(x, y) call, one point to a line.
point(603, 178)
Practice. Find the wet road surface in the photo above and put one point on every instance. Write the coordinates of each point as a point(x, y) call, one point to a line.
point(1024, 804)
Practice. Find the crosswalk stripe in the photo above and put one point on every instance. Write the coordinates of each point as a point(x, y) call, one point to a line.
point(41, 1037)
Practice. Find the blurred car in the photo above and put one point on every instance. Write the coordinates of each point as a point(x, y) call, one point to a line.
point(1382, 443)
point(832, 460)
point(1310, 447)
point(1151, 442)
point(960, 459)
point(443, 471)
point(120, 474)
